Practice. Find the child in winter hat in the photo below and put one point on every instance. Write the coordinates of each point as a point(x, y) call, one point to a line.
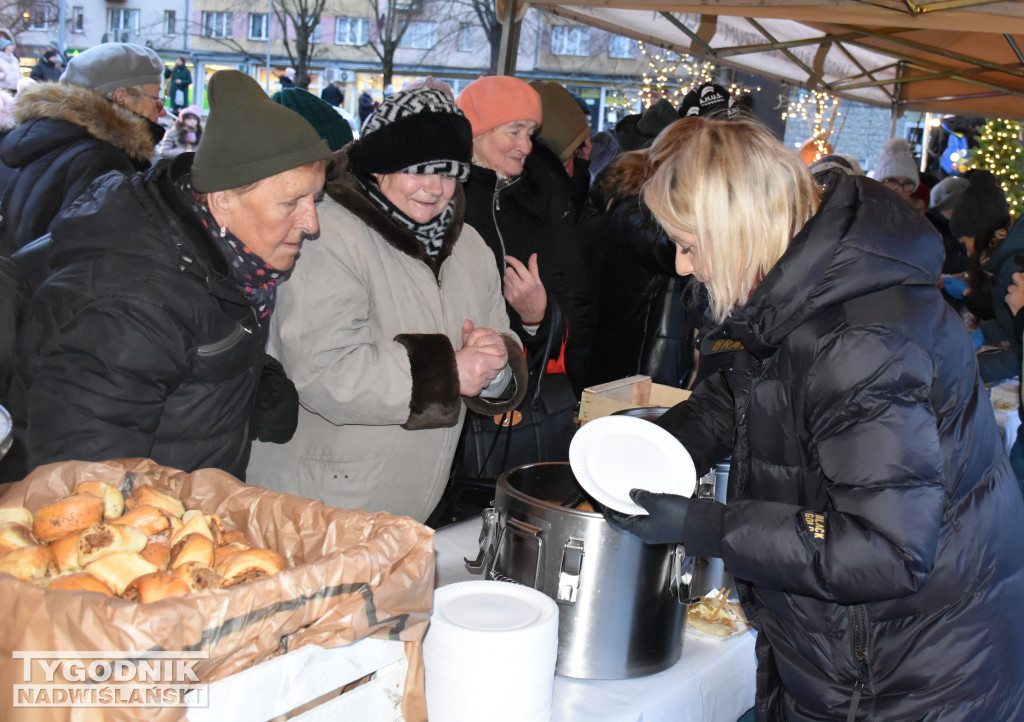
point(896, 165)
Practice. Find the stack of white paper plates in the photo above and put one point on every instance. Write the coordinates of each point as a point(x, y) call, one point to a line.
point(490, 653)
point(613, 454)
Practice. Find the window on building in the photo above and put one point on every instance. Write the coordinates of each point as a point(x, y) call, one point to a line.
point(170, 22)
point(314, 36)
point(466, 37)
point(122, 24)
point(619, 46)
point(259, 26)
point(420, 35)
point(39, 17)
point(570, 40)
point(216, 25)
point(351, 31)
point(78, 19)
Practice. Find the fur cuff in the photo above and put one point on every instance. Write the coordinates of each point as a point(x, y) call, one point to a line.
point(435, 398)
point(516, 391)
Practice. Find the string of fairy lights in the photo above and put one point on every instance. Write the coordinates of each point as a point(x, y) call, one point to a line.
point(668, 75)
point(819, 109)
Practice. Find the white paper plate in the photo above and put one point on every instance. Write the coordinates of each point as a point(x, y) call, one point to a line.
point(613, 454)
point(491, 606)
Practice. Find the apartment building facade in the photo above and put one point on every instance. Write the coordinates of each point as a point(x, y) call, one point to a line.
point(444, 38)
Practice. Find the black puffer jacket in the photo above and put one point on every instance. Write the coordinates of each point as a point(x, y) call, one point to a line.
point(873, 519)
point(137, 345)
point(532, 214)
point(66, 137)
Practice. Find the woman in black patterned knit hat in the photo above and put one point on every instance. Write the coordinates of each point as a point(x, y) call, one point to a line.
point(394, 324)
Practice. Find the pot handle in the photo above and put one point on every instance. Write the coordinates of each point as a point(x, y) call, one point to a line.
point(487, 532)
point(527, 530)
point(682, 575)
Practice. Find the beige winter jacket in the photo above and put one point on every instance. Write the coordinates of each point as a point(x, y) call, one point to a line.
point(367, 332)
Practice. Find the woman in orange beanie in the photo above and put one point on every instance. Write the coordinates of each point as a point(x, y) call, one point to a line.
point(527, 221)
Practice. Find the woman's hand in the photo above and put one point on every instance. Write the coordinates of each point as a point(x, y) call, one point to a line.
point(1015, 293)
point(480, 359)
point(524, 290)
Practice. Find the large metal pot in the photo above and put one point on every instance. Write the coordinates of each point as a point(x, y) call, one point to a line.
point(621, 602)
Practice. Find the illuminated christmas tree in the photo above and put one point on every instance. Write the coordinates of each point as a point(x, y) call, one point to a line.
point(999, 151)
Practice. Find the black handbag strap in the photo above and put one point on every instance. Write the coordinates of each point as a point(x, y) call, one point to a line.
point(554, 329)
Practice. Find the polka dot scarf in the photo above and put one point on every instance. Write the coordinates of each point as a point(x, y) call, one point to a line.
point(253, 278)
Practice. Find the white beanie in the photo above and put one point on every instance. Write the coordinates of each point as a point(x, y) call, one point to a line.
point(897, 161)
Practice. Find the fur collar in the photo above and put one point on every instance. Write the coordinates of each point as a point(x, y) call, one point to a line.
point(103, 119)
point(343, 187)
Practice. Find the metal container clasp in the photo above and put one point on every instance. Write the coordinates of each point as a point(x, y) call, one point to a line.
point(487, 537)
point(569, 572)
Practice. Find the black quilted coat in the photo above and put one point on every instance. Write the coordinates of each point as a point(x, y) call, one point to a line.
point(874, 523)
point(137, 345)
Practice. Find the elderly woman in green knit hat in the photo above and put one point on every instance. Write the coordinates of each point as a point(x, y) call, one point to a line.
point(394, 325)
point(148, 337)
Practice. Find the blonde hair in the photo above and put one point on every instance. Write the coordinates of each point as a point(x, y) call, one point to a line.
point(739, 192)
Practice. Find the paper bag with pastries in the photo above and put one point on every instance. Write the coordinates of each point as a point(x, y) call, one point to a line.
point(348, 574)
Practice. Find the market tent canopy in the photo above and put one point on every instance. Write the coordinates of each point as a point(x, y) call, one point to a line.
point(946, 56)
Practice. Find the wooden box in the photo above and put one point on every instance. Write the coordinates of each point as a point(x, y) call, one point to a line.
point(313, 684)
point(628, 393)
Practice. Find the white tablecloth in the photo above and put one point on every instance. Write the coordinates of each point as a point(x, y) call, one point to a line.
point(712, 682)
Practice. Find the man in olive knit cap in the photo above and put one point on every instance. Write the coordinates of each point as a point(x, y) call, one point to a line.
point(149, 337)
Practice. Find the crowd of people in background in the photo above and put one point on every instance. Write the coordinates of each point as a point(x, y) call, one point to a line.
point(318, 305)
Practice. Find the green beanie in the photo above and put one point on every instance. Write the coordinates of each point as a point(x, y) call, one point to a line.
point(325, 120)
point(249, 137)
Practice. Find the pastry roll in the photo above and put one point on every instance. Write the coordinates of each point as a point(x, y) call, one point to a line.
point(102, 539)
point(165, 500)
point(70, 514)
point(14, 536)
point(249, 564)
point(198, 576)
point(113, 500)
point(80, 582)
point(154, 587)
point(192, 548)
point(29, 563)
point(119, 569)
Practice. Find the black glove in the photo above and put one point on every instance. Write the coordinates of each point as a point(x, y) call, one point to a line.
point(275, 413)
point(663, 523)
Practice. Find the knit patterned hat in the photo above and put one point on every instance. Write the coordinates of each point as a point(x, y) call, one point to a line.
point(565, 126)
point(416, 131)
point(327, 121)
point(109, 66)
point(498, 99)
point(709, 100)
point(249, 137)
point(897, 161)
point(982, 209)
